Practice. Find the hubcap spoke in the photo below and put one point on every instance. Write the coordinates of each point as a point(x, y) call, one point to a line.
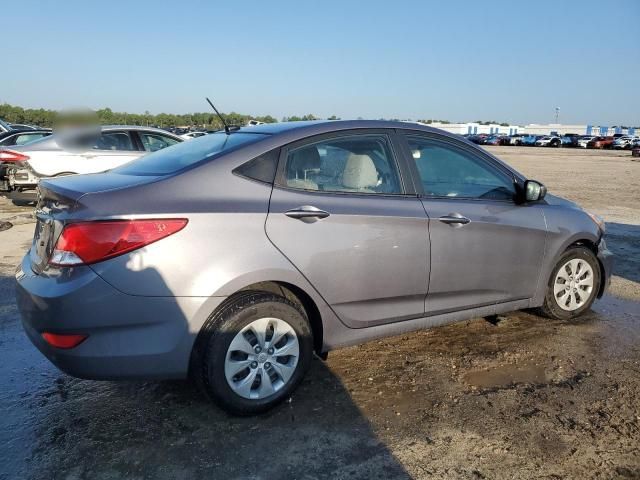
point(289, 348)
point(243, 387)
point(241, 344)
point(284, 371)
point(266, 387)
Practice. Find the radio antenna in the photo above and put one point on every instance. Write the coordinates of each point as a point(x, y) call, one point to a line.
point(227, 128)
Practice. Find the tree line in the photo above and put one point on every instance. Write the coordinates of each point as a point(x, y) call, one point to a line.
point(105, 116)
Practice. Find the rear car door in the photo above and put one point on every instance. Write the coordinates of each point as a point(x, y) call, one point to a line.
point(112, 149)
point(343, 214)
point(485, 248)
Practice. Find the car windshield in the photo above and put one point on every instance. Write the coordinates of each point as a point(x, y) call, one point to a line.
point(183, 155)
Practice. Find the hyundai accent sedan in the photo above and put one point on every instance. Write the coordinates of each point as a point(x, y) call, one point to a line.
point(234, 257)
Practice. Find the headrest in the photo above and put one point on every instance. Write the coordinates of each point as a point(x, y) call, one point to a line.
point(307, 158)
point(359, 172)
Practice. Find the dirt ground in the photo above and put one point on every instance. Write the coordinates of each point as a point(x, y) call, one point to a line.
point(524, 398)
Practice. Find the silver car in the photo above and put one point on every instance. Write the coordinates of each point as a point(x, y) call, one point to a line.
point(233, 258)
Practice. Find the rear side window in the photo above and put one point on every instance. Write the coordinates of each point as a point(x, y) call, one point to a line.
point(355, 163)
point(29, 137)
point(262, 168)
point(120, 141)
point(185, 154)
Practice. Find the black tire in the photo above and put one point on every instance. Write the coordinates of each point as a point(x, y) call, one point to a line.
point(208, 359)
point(550, 308)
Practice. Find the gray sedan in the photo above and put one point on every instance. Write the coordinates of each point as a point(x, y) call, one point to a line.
point(234, 257)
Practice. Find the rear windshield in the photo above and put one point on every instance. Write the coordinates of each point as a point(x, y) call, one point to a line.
point(180, 156)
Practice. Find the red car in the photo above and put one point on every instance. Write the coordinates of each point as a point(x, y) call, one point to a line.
point(601, 142)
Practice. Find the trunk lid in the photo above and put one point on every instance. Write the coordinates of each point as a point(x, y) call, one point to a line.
point(60, 201)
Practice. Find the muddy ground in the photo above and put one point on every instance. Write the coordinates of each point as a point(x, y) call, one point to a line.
point(525, 398)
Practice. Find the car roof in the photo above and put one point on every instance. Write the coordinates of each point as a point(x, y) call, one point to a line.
point(314, 127)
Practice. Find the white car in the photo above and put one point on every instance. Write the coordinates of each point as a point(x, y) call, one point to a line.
point(191, 135)
point(79, 152)
point(623, 142)
point(549, 141)
point(582, 141)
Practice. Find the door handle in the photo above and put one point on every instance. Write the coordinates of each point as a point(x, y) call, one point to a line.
point(307, 213)
point(454, 219)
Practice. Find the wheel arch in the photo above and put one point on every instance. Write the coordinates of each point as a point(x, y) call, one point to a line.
point(299, 296)
point(593, 247)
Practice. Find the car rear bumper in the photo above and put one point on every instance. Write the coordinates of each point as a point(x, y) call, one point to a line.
point(606, 262)
point(128, 336)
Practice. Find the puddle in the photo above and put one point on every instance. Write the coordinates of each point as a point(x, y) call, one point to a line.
point(506, 375)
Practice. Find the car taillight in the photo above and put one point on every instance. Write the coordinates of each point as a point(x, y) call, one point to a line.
point(11, 156)
point(90, 242)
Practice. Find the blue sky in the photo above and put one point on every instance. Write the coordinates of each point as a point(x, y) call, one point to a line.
point(511, 61)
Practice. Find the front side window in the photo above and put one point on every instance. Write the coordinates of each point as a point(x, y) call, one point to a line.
point(449, 171)
point(114, 141)
point(153, 142)
point(356, 163)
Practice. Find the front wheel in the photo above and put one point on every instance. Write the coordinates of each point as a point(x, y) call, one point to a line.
point(573, 285)
point(253, 352)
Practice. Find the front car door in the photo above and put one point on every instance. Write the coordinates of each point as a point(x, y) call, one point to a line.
point(485, 248)
point(342, 213)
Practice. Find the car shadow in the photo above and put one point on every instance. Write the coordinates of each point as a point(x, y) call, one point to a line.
point(58, 426)
point(624, 241)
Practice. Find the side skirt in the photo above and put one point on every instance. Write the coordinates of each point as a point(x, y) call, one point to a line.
point(348, 336)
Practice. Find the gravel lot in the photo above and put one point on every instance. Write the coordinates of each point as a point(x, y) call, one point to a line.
point(524, 398)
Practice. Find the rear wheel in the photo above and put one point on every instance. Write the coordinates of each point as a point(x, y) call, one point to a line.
point(573, 285)
point(253, 352)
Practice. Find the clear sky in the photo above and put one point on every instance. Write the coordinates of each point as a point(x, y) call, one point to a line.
point(511, 61)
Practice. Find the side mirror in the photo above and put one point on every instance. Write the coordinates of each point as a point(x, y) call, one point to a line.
point(534, 191)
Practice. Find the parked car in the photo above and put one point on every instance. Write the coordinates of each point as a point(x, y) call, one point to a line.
point(16, 137)
point(23, 126)
point(493, 140)
point(478, 139)
point(515, 139)
point(78, 152)
point(570, 140)
point(22, 137)
point(624, 142)
point(529, 140)
point(584, 140)
point(600, 142)
point(4, 126)
point(192, 135)
point(548, 141)
point(232, 258)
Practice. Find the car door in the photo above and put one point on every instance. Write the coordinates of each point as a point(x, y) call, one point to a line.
point(343, 214)
point(112, 149)
point(485, 248)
